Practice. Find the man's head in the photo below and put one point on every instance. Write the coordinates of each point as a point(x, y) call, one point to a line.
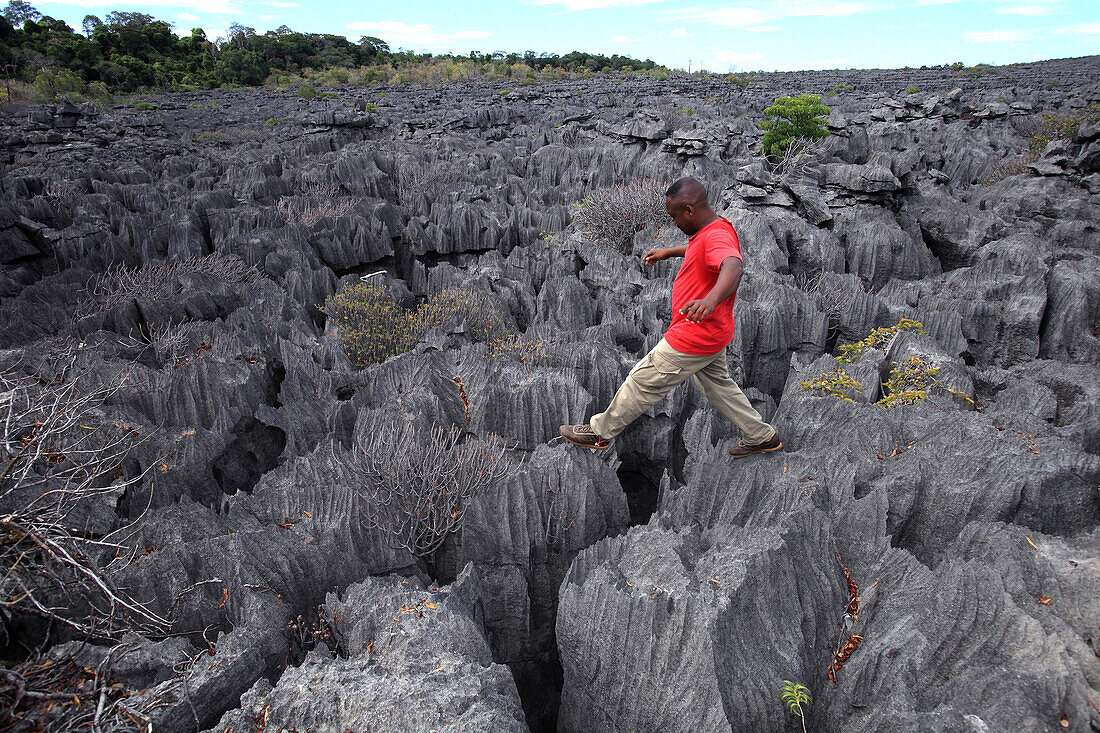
point(686, 203)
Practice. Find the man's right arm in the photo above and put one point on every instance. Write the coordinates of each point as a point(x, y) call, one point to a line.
point(656, 255)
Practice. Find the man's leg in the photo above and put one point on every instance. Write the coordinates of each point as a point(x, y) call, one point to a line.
point(657, 374)
point(714, 380)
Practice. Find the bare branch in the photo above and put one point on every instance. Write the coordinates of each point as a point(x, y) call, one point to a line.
point(417, 487)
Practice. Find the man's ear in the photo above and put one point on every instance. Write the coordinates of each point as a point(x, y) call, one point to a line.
point(689, 209)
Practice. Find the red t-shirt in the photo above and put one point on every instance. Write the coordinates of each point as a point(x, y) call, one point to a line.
point(707, 249)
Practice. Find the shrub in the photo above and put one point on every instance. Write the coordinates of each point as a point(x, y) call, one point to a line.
point(453, 305)
point(159, 281)
point(790, 118)
point(372, 326)
point(1041, 130)
point(413, 178)
point(307, 91)
point(877, 339)
point(834, 294)
point(145, 106)
point(418, 486)
point(837, 383)
point(910, 381)
point(741, 78)
point(311, 210)
point(912, 90)
point(51, 83)
point(271, 122)
point(612, 217)
point(370, 107)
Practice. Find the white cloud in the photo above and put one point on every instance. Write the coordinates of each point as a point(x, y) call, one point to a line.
point(678, 33)
point(277, 4)
point(219, 7)
point(728, 58)
point(761, 15)
point(1081, 29)
point(762, 28)
point(732, 17)
point(574, 5)
point(187, 17)
point(1004, 35)
point(416, 35)
point(624, 39)
point(1029, 10)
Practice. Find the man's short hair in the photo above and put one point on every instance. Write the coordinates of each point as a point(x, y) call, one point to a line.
point(690, 188)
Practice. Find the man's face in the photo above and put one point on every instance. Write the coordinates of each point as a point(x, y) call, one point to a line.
point(681, 214)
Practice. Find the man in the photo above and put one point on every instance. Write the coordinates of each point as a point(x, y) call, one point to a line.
point(695, 343)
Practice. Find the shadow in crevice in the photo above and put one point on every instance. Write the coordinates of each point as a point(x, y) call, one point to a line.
point(641, 481)
point(539, 683)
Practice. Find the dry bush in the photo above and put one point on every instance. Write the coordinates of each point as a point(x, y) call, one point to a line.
point(169, 343)
point(797, 156)
point(833, 294)
point(415, 178)
point(62, 193)
point(57, 454)
point(309, 212)
point(611, 217)
point(417, 486)
point(159, 281)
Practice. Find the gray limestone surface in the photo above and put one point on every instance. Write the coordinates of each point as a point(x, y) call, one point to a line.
point(658, 586)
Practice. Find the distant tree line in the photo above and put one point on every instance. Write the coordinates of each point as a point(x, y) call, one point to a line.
point(127, 51)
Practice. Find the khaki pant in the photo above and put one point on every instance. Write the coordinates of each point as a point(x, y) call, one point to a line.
point(661, 371)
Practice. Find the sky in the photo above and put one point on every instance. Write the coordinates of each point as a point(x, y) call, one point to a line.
point(743, 35)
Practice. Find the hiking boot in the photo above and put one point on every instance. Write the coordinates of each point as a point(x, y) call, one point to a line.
point(741, 450)
point(582, 435)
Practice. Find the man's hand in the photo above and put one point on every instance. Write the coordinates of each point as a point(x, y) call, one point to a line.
point(697, 310)
point(654, 256)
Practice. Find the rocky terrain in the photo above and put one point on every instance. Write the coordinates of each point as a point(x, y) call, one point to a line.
point(658, 586)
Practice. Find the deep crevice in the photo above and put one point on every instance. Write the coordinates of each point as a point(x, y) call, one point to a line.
point(641, 481)
point(539, 682)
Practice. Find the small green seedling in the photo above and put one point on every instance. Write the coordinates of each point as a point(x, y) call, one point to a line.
point(794, 697)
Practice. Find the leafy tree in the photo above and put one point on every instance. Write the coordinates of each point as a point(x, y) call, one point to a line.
point(19, 11)
point(90, 23)
point(791, 118)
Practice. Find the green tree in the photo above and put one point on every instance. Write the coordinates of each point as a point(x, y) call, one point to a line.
point(18, 11)
point(790, 118)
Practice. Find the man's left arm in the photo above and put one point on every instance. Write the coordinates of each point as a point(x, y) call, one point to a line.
point(729, 277)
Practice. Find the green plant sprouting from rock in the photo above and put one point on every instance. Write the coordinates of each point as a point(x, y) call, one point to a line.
point(877, 339)
point(795, 696)
point(910, 381)
point(793, 118)
point(837, 383)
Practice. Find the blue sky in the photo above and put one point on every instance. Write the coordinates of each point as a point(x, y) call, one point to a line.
point(740, 35)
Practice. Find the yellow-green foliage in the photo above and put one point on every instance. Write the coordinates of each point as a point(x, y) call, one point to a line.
point(837, 383)
point(521, 347)
point(910, 381)
point(451, 306)
point(372, 326)
point(1059, 127)
point(877, 339)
